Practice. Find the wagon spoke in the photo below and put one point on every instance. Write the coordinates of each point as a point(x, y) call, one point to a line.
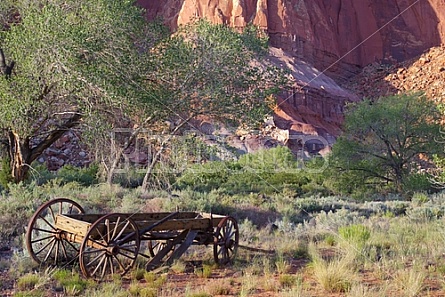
point(50, 250)
point(123, 229)
point(119, 263)
point(127, 256)
point(95, 258)
point(128, 246)
point(48, 223)
point(42, 239)
point(107, 224)
point(93, 251)
point(104, 256)
point(56, 253)
point(111, 265)
point(115, 227)
point(64, 249)
point(104, 268)
point(44, 230)
point(72, 245)
point(52, 213)
point(70, 210)
point(97, 242)
point(45, 246)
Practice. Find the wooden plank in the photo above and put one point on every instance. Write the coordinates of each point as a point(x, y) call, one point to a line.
point(183, 247)
point(154, 216)
point(193, 224)
point(156, 260)
point(216, 218)
point(73, 226)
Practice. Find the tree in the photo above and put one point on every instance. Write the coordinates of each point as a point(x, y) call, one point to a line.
point(211, 70)
point(63, 64)
point(385, 140)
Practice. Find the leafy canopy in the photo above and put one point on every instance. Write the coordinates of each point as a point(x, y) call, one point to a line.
point(384, 140)
point(70, 56)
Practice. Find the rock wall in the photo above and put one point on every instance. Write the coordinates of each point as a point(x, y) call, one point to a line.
point(321, 41)
point(336, 36)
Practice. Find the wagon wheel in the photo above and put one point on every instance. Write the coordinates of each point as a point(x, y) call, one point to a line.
point(111, 247)
point(226, 240)
point(45, 243)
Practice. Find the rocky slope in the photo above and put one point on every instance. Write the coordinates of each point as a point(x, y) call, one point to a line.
point(424, 73)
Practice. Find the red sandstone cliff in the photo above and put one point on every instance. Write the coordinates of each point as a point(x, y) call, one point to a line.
point(338, 37)
point(323, 31)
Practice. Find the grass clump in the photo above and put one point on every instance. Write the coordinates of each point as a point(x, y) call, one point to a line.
point(205, 271)
point(356, 233)
point(153, 280)
point(287, 280)
point(28, 281)
point(71, 282)
point(335, 275)
point(138, 274)
point(409, 282)
point(178, 266)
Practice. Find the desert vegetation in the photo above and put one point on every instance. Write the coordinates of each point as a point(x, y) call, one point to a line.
point(365, 220)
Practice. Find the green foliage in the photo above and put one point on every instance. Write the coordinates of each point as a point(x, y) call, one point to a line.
point(85, 176)
point(266, 171)
point(193, 73)
point(5, 173)
point(382, 142)
point(71, 282)
point(356, 233)
point(66, 68)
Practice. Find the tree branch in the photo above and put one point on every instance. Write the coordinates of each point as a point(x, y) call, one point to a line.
point(54, 135)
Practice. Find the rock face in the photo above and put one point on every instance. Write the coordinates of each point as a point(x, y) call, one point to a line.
point(322, 41)
point(336, 36)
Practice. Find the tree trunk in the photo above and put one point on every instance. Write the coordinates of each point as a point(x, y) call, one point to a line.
point(19, 153)
point(22, 155)
point(158, 154)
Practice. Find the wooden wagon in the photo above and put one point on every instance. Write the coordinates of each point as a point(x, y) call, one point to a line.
point(60, 233)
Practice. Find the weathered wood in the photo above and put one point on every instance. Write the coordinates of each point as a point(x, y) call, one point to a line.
point(194, 224)
point(183, 247)
point(156, 260)
point(153, 216)
point(73, 226)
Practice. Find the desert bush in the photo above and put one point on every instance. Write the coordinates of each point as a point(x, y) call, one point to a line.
point(265, 171)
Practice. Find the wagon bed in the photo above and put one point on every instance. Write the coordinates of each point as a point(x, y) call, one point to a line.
point(60, 233)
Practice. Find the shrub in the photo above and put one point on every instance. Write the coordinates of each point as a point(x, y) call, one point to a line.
point(5, 173)
point(85, 176)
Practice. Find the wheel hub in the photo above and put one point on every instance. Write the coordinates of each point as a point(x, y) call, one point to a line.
point(113, 250)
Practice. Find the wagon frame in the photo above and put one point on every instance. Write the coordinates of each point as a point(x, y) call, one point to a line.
point(60, 233)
